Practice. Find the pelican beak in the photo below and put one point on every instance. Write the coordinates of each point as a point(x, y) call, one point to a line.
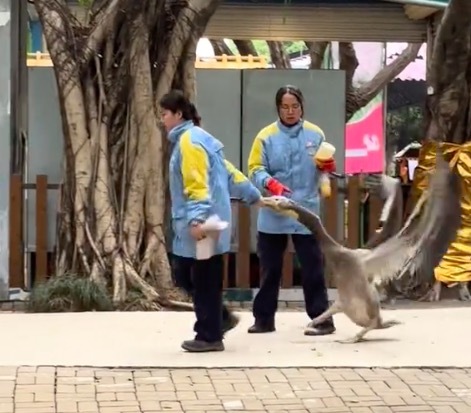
point(279, 204)
point(271, 202)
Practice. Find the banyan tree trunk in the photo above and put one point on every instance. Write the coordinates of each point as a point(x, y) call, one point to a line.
point(110, 77)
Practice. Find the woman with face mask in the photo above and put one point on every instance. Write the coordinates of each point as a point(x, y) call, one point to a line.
point(281, 162)
point(202, 182)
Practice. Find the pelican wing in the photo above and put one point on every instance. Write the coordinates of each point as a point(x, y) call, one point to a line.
point(390, 190)
point(422, 242)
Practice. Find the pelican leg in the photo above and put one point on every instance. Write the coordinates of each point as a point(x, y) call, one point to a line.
point(376, 323)
point(335, 308)
point(358, 337)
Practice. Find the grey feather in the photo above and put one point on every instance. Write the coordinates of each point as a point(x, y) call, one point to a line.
point(421, 244)
point(389, 189)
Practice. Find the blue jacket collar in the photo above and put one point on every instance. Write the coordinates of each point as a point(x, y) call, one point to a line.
point(291, 131)
point(174, 134)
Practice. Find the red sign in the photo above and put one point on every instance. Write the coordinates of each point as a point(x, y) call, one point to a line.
point(364, 142)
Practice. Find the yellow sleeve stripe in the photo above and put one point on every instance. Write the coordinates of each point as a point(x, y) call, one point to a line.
point(314, 128)
point(237, 176)
point(194, 169)
point(256, 156)
point(256, 152)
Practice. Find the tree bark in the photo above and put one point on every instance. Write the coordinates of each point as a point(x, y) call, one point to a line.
point(246, 47)
point(348, 61)
point(316, 53)
point(448, 106)
point(279, 58)
point(220, 47)
point(110, 78)
point(447, 110)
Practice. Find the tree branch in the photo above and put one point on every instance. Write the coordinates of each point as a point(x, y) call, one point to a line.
point(348, 61)
point(278, 56)
point(199, 11)
point(220, 47)
point(99, 31)
point(359, 97)
point(317, 53)
point(245, 47)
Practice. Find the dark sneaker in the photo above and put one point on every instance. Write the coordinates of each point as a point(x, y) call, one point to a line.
point(260, 328)
point(229, 323)
point(319, 330)
point(199, 346)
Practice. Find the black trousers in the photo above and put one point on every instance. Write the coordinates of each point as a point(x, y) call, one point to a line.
point(271, 248)
point(203, 280)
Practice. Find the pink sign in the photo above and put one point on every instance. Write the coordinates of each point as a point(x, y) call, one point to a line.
point(364, 142)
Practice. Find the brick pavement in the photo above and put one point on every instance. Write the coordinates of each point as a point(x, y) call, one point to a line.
point(70, 390)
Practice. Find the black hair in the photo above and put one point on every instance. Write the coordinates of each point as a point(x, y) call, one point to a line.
point(291, 90)
point(175, 101)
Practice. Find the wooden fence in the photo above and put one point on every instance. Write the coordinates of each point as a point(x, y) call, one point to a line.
point(241, 267)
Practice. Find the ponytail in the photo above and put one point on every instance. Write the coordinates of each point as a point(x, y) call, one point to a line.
point(175, 101)
point(195, 117)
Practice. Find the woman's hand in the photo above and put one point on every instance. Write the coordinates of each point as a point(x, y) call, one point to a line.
point(326, 166)
point(277, 188)
point(197, 231)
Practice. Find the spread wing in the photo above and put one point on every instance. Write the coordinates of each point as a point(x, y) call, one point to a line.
point(390, 190)
point(420, 245)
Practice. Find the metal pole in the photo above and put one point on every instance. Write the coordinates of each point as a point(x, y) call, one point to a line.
point(6, 24)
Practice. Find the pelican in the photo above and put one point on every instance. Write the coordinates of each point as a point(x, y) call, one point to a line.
point(417, 248)
point(389, 189)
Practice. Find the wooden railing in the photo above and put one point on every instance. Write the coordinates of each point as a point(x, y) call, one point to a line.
point(241, 266)
point(39, 59)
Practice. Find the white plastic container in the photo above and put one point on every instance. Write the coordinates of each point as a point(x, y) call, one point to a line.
point(205, 248)
point(326, 151)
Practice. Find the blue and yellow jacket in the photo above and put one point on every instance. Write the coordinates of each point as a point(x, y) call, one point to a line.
point(286, 154)
point(202, 183)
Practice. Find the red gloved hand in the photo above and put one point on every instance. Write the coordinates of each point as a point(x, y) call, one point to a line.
point(326, 166)
point(277, 188)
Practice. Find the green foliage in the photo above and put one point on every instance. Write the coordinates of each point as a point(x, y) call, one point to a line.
point(295, 47)
point(262, 48)
point(232, 46)
point(85, 3)
point(404, 126)
point(69, 293)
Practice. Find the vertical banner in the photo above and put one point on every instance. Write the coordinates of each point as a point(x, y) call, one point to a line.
point(364, 139)
point(364, 132)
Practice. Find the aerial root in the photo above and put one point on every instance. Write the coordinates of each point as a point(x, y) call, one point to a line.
point(149, 292)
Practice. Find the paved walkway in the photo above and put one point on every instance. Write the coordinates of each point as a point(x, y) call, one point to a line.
point(69, 390)
point(428, 337)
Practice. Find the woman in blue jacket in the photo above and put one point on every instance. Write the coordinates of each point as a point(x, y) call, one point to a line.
point(281, 162)
point(201, 184)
